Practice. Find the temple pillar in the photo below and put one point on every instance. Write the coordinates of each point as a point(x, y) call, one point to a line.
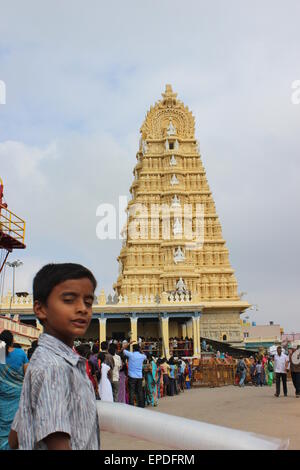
point(102, 329)
point(199, 332)
point(196, 335)
point(133, 329)
point(164, 328)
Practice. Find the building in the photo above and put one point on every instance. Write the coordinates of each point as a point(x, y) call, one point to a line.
point(24, 334)
point(257, 336)
point(290, 339)
point(175, 278)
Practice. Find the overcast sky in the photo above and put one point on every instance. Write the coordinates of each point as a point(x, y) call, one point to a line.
point(80, 77)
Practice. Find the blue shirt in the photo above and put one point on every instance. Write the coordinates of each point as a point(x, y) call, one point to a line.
point(16, 359)
point(135, 364)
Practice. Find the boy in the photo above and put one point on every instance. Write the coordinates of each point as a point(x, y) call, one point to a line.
point(57, 409)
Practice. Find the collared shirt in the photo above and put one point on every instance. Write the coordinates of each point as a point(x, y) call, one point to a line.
point(280, 363)
point(135, 364)
point(57, 396)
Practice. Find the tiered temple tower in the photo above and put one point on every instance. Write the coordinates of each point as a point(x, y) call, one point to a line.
point(170, 284)
point(159, 258)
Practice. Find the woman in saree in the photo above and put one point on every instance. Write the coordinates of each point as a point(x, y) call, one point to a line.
point(270, 367)
point(122, 383)
point(151, 382)
point(11, 381)
point(188, 375)
point(160, 380)
point(146, 370)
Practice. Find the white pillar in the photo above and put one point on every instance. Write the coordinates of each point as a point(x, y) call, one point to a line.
point(102, 329)
point(133, 324)
point(196, 336)
point(164, 326)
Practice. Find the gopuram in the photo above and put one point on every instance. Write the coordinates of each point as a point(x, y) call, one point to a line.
point(188, 281)
point(175, 278)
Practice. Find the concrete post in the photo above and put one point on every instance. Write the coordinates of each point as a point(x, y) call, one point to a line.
point(199, 333)
point(164, 327)
point(102, 329)
point(133, 325)
point(196, 336)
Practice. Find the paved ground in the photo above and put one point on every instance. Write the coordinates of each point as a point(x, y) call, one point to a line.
point(253, 409)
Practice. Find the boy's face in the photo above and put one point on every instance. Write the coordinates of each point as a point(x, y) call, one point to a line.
point(68, 312)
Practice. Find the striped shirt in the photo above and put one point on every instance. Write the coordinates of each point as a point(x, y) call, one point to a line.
point(57, 396)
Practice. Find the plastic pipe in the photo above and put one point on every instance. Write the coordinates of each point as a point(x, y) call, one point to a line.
point(175, 432)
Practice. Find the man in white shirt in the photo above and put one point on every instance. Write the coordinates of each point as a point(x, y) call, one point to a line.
point(281, 362)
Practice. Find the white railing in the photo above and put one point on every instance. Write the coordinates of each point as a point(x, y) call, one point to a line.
point(132, 299)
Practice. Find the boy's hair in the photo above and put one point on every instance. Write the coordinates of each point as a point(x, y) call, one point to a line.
point(53, 274)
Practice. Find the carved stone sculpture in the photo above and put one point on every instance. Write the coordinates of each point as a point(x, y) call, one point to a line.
point(171, 129)
point(174, 180)
point(173, 161)
point(178, 255)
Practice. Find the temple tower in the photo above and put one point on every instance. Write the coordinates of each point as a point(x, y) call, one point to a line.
point(158, 256)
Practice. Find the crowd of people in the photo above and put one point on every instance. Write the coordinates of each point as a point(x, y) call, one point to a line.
point(139, 377)
point(257, 371)
point(265, 369)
